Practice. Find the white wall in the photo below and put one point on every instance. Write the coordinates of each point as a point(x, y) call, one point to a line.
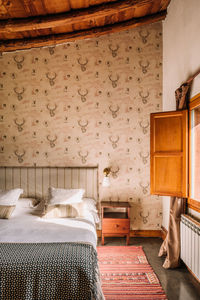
point(181, 57)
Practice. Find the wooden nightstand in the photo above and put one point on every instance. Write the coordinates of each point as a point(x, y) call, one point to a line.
point(115, 223)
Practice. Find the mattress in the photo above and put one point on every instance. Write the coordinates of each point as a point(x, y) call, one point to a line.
point(26, 227)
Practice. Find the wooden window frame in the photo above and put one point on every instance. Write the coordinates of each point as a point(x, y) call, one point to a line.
point(192, 203)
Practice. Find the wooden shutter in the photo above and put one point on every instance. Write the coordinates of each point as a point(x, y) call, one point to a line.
point(169, 153)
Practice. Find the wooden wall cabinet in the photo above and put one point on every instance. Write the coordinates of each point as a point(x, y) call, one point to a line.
point(169, 153)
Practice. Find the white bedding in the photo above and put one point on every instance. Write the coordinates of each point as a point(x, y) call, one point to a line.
point(24, 227)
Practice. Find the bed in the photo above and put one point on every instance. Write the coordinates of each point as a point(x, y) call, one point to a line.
point(48, 258)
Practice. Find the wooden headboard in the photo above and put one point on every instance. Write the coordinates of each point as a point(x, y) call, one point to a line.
point(35, 181)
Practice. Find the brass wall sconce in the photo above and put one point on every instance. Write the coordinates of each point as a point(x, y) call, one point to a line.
point(106, 179)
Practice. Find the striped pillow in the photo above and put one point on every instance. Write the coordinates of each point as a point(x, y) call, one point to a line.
point(6, 211)
point(60, 211)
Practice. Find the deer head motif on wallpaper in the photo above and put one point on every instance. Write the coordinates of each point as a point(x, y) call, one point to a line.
point(144, 187)
point(114, 141)
point(19, 61)
point(83, 95)
point(113, 50)
point(51, 50)
point(144, 218)
point(83, 156)
point(82, 64)
point(51, 77)
point(144, 157)
point(114, 171)
point(20, 156)
point(144, 35)
point(114, 81)
point(144, 67)
point(19, 93)
point(83, 125)
point(114, 111)
point(144, 97)
point(52, 141)
point(19, 125)
point(144, 127)
point(51, 110)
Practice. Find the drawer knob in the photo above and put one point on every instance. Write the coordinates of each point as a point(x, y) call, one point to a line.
point(117, 225)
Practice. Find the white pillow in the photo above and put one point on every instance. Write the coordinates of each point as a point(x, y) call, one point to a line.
point(10, 197)
point(87, 206)
point(91, 204)
point(65, 196)
point(27, 202)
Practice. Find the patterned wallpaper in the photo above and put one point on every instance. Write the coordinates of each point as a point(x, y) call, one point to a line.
point(87, 103)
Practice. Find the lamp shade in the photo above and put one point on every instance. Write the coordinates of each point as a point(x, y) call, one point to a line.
point(106, 181)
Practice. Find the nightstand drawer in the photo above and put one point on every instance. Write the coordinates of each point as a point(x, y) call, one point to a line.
point(115, 225)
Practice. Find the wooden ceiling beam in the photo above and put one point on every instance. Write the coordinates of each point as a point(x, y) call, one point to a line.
point(80, 19)
point(52, 40)
point(29, 8)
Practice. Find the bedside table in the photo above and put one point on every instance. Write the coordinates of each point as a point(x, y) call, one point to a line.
point(115, 223)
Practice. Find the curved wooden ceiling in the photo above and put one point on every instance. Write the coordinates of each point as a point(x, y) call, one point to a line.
point(35, 23)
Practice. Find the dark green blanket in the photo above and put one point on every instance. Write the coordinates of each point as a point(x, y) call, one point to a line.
point(48, 271)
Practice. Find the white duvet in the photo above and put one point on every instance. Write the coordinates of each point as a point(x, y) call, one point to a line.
point(24, 227)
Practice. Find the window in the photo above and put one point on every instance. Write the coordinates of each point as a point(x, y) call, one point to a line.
point(194, 156)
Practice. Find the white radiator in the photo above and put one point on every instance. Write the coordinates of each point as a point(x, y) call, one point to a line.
point(190, 244)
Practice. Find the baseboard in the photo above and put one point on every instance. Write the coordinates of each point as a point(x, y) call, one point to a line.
point(163, 233)
point(145, 233)
point(140, 233)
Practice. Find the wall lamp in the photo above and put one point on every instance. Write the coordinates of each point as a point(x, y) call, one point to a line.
point(106, 179)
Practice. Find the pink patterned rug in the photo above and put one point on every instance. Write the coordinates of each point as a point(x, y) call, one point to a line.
point(126, 274)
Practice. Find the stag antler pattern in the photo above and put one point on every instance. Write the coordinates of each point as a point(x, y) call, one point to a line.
point(52, 110)
point(83, 126)
point(144, 35)
point(19, 93)
point(19, 125)
point(19, 61)
point(114, 51)
point(114, 141)
point(82, 64)
point(83, 95)
point(144, 218)
point(20, 156)
point(51, 78)
point(144, 188)
point(144, 66)
point(144, 127)
point(114, 81)
point(114, 171)
point(52, 141)
point(144, 97)
point(144, 157)
point(51, 50)
point(114, 111)
point(83, 157)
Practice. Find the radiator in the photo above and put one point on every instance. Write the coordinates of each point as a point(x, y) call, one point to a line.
point(190, 244)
